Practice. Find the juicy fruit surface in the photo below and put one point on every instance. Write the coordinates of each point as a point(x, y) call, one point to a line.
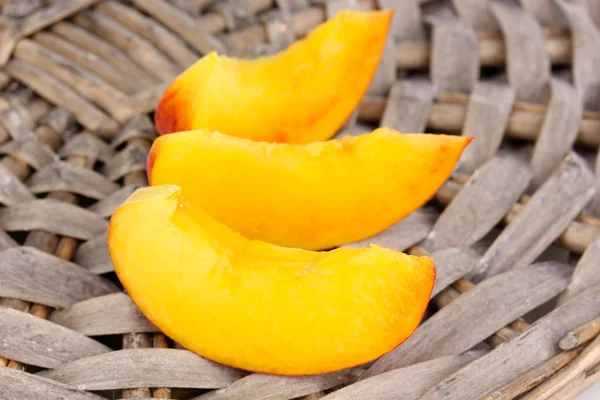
point(316, 196)
point(302, 94)
point(258, 306)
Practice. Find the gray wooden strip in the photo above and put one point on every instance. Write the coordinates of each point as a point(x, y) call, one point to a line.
point(509, 361)
point(408, 232)
point(132, 368)
point(274, 387)
point(32, 275)
point(441, 10)
point(486, 308)
point(144, 53)
point(53, 216)
point(236, 14)
point(57, 92)
point(93, 255)
point(486, 119)
point(6, 242)
point(594, 9)
point(17, 384)
point(107, 206)
point(586, 52)
point(35, 341)
point(280, 31)
point(151, 30)
point(292, 5)
point(30, 150)
point(586, 273)
point(408, 106)
point(39, 20)
point(17, 121)
point(528, 62)
point(13, 190)
point(60, 120)
point(452, 264)
point(103, 49)
point(407, 383)
point(544, 11)
point(593, 208)
point(454, 64)
point(406, 23)
point(111, 314)
point(477, 13)
point(62, 176)
point(180, 23)
point(20, 9)
point(559, 130)
point(139, 127)
point(547, 214)
point(481, 204)
point(90, 61)
point(131, 159)
point(89, 146)
point(74, 75)
point(332, 7)
point(385, 75)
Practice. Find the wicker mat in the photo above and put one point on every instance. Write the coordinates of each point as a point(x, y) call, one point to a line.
point(80, 80)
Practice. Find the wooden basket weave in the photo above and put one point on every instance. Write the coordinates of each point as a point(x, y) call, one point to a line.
point(514, 232)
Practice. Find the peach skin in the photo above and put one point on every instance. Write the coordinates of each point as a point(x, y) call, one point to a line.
point(257, 306)
point(315, 196)
point(302, 94)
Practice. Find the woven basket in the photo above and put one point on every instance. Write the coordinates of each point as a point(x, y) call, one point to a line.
point(80, 80)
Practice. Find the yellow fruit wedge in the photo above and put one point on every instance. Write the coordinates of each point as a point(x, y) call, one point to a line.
point(257, 306)
point(302, 94)
point(315, 196)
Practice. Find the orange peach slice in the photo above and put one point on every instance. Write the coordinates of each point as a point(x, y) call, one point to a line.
point(257, 306)
point(315, 196)
point(302, 94)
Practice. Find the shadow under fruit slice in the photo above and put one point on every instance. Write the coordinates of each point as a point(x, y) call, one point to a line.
point(257, 306)
point(302, 94)
point(315, 196)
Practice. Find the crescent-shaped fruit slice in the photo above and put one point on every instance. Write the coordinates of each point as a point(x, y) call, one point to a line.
point(302, 94)
point(315, 196)
point(257, 306)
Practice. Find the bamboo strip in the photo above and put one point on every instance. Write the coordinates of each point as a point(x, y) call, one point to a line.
point(410, 55)
point(592, 377)
point(161, 342)
point(581, 335)
point(508, 362)
point(449, 110)
point(567, 391)
point(534, 377)
point(588, 358)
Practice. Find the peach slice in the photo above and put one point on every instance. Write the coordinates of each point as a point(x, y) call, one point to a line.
point(315, 196)
point(257, 306)
point(302, 94)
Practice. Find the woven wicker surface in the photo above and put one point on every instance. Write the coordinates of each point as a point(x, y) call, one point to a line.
point(81, 78)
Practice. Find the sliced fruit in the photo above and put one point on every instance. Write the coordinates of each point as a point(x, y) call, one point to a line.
point(257, 306)
point(302, 94)
point(315, 196)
